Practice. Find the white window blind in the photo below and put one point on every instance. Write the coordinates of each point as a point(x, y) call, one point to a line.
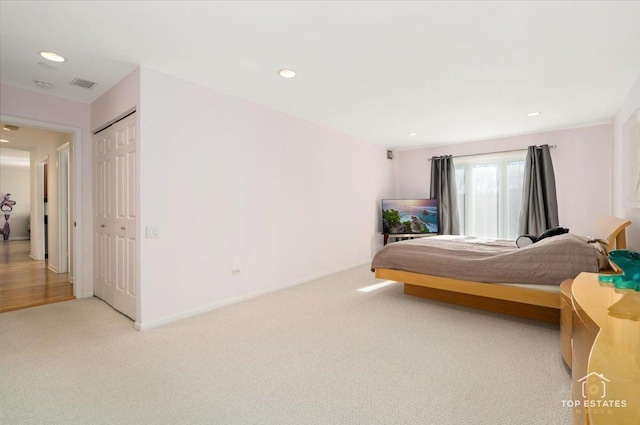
point(490, 193)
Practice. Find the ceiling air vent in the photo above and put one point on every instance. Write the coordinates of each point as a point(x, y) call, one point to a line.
point(85, 84)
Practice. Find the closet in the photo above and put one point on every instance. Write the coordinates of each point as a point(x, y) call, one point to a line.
point(115, 214)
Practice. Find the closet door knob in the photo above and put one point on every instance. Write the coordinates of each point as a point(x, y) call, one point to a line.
point(102, 225)
point(122, 227)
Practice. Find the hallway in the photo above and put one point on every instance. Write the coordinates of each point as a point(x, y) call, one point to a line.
point(25, 282)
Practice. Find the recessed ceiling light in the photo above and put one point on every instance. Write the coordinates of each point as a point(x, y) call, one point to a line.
point(287, 73)
point(534, 114)
point(4, 141)
point(53, 57)
point(413, 134)
point(10, 127)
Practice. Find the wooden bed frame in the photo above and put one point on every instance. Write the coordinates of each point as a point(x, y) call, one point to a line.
point(523, 302)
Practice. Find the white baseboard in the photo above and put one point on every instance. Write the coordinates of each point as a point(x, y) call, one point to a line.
point(190, 313)
point(33, 257)
point(19, 238)
point(53, 268)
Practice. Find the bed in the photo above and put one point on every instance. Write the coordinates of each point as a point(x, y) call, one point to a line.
point(493, 281)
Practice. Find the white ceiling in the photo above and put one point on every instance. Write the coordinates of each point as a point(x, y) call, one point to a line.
point(450, 71)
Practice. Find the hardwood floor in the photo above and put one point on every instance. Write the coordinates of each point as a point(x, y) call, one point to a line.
point(25, 282)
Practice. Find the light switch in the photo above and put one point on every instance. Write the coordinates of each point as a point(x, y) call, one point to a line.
point(152, 232)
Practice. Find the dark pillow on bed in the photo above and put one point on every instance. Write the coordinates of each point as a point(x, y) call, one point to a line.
point(526, 240)
point(554, 231)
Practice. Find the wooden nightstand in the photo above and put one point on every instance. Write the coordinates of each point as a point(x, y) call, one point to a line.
point(565, 321)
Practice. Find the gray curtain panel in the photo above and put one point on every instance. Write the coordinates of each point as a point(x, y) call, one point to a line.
point(539, 202)
point(443, 188)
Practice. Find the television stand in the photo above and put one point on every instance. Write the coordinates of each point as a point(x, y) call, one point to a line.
point(406, 236)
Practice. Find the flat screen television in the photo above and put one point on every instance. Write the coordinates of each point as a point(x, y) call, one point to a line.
point(405, 216)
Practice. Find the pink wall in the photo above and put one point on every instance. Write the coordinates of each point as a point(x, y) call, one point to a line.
point(629, 105)
point(581, 164)
point(232, 184)
point(31, 105)
point(117, 101)
point(43, 107)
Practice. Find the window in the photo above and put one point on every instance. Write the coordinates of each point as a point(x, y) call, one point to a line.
point(490, 194)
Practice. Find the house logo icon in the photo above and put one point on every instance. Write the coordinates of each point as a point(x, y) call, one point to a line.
point(594, 384)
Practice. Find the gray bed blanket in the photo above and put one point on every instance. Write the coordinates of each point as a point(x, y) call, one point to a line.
point(547, 262)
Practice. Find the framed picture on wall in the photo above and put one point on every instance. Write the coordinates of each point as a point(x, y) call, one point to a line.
point(631, 170)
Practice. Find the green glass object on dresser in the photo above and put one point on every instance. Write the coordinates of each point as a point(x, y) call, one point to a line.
point(629, 263)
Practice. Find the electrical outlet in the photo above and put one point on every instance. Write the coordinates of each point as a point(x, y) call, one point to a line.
point(235, 272)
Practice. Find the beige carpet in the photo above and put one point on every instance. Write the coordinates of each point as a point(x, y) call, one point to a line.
point(317, 353)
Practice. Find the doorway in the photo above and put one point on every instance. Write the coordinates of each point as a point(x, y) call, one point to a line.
point(54, 180)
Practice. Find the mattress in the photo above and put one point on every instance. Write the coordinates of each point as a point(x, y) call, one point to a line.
point(547, 288)
point(547, 262)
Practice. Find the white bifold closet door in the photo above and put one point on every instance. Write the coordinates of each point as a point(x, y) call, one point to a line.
point(115, 212)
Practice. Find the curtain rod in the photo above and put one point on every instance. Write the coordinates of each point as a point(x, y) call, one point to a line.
point(489, 153)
